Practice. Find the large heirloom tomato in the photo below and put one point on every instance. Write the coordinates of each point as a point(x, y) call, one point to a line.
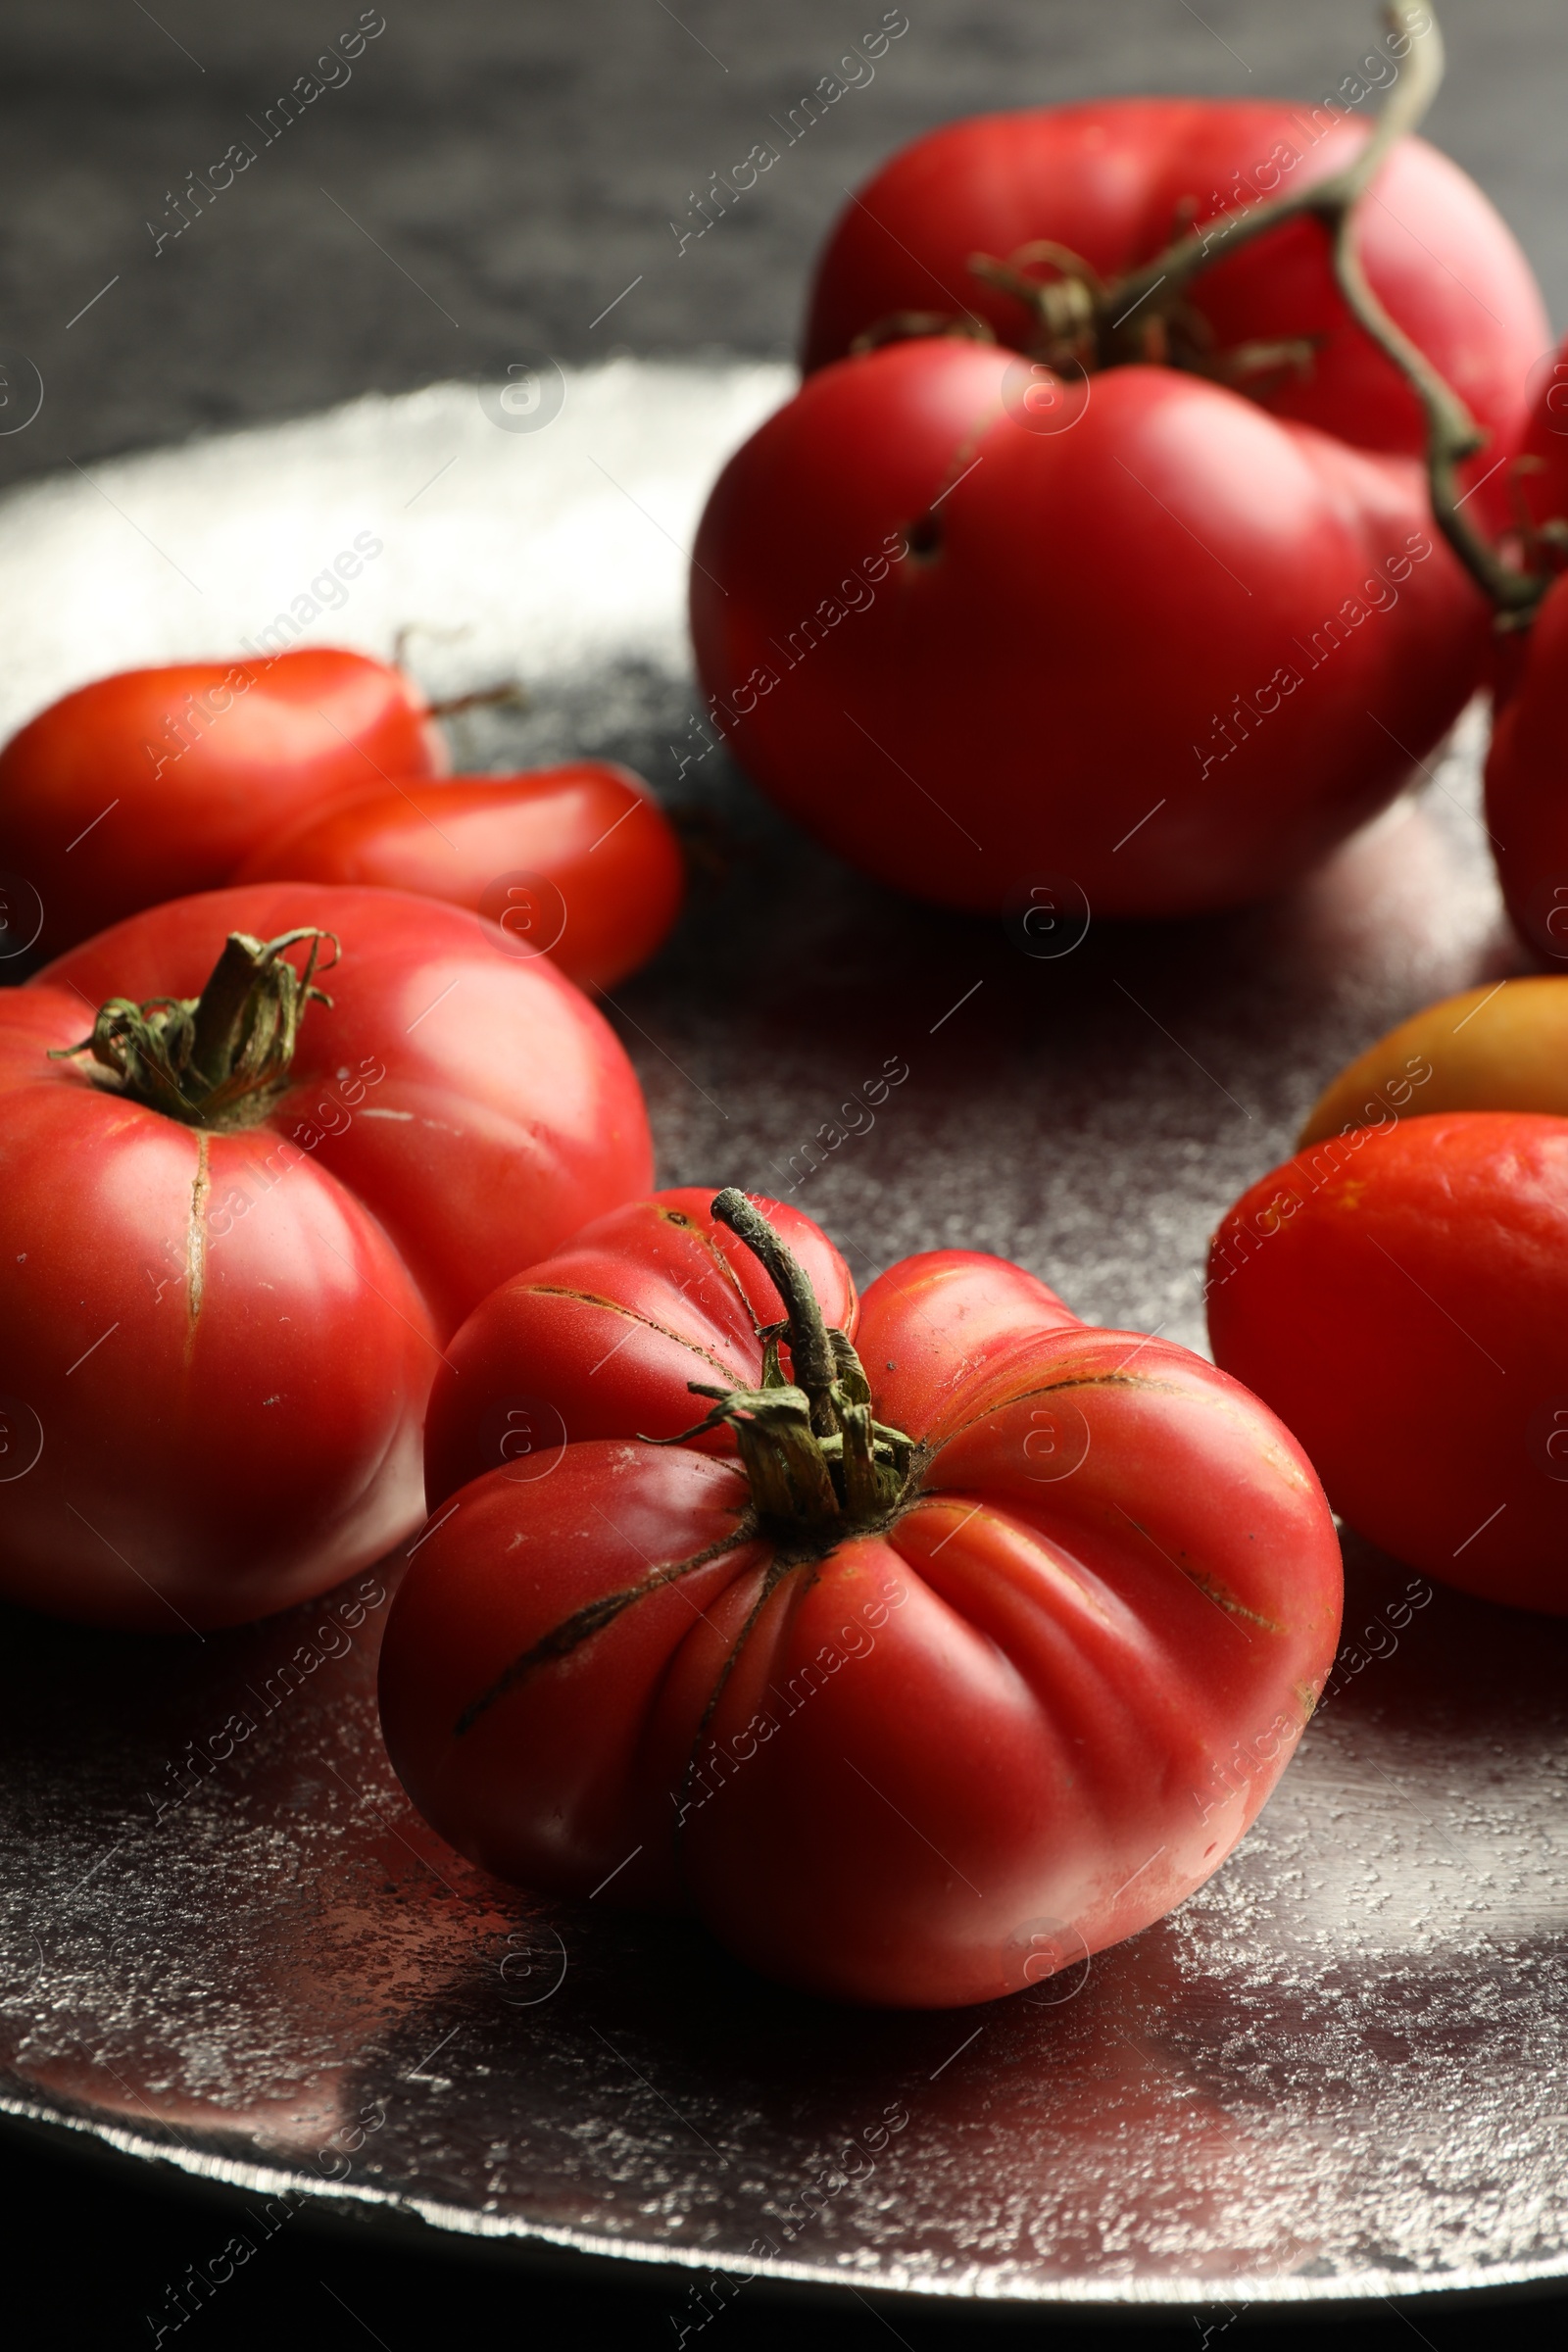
point(1147, 596)
point(916, 1680)
point(155, 783)
point(234, 1234)
point(578, 862)
point(1399, 1294)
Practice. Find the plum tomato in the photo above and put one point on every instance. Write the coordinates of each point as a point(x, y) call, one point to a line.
point(155, 783)
point(1398, 1293)
point(578, 862)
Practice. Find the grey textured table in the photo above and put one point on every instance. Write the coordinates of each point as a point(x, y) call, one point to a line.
point(496, 171)
point(489, 180)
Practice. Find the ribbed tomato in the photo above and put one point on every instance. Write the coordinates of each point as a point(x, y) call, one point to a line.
point(961, 1640)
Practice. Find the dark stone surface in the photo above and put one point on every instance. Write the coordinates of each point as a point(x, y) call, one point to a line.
point(521, 163)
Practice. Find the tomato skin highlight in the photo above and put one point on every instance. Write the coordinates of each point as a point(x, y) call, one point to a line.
point(1139, 653)
point(1398, 1296)
point(154, 783)
point(590, 831)
point(925, 1766)
point(226, 1336)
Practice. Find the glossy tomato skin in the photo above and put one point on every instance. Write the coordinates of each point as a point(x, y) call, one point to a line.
point(1118, 180)
point(578, 861)
point(155, 783)
point(226, 1340)
point(1173, 652)
point(944, 1759)
point(1527, 783)
point(1397, 1296)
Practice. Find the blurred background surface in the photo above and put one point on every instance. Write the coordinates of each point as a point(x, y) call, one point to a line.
point(494, 172)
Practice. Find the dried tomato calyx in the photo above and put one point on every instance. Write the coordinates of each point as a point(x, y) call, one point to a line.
point(222, 1058)
point(817, 1459)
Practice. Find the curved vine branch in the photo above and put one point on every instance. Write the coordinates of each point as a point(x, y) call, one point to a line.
point(1330, 199)
point(1086, 322)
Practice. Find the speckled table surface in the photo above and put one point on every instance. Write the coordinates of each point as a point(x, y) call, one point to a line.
point(1379, 2097)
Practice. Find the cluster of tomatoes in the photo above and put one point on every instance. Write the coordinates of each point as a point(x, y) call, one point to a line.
point(1119, 532)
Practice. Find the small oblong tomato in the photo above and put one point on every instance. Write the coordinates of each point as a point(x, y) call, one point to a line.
point(1398, 1296)
point(155, 783)
point(957, 1643)
point(234, 1236)
point(577, 861)
point(1503, 1046)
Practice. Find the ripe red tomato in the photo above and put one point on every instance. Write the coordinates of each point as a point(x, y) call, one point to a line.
point(1537, 478)
point(155, 783)
point(1173, 654)
point(221, 1326)
point(1398, 1297)
point(1526, 781)
point(915, 1683)
point(579, 862)
point(1118, 179)
point(977, 624)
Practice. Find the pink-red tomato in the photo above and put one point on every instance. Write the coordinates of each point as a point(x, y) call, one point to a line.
point(1537, 478)
point(912, 1700)
point(578, 862)
point(1526, 770)
point(1398, 1296)
point(1165, 632)
point(155, 783)
point(219, 1330)
point(1526, 781)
